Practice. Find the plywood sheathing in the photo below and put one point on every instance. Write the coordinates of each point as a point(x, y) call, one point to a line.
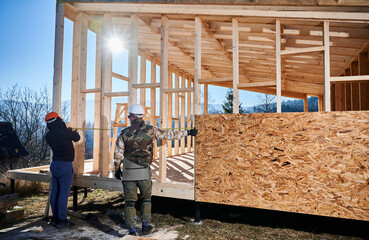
point(314, 163)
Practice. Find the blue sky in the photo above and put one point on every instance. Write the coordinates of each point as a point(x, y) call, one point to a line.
point(27, 50)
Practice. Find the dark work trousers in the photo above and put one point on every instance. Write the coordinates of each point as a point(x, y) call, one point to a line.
point(62, 177)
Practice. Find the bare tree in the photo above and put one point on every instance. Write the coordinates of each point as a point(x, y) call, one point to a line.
point(25, 109)
point(266, 104)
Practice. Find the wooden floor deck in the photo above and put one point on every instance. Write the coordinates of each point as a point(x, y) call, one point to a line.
point(179, 183)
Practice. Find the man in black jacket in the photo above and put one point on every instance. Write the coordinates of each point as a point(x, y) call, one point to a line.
point(60, 138)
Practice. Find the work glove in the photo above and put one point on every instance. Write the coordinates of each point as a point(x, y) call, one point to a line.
point(192, 132)
point(118, 174)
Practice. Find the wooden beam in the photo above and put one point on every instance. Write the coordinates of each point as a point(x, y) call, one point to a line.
point(143, 81)
point(327, 72)
point(117, 94)
point(178, 90)
point(106, 86)
point(133, 60)
point(214, 80)
point(220, 10)
point(306, 106)
point(197, 93)
point(302, 50)
point(176, 111)
point(278, 66)
point(206, 98)
point(256, 84)
point(189, 112)
point(91, 90)
point(170, 109)
point(350, 78)
point(163, 97)
point(235, 66)
point(121, 77)
point(78, 99)
point(147, 85)
point(153, 104)
point(98, 102)
point(58, 57)
point(183, 113)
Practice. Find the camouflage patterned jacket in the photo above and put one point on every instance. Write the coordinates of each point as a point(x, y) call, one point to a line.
point(135, 143)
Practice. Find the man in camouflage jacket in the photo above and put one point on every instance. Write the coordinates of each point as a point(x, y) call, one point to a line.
point(134, 148)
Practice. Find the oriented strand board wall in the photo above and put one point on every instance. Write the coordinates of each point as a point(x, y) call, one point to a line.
point(314, 163)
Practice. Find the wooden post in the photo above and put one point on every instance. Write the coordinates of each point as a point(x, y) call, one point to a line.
point(189, 112)
point(170, 111)
point(143, 80)
point(327, 73)
point(183, 113)
point(306, 107)
point(236, 67)
point(206, 98)
point(98, 102)
point(58, 57)
point(354, 69)
point(153, 104)
point(197, 93)
point(278, 65)
point(320, 103)
point(78, 99)
point(163, 97)
point(364, 86)
point(176, 112)
point(133, 61)
point(106, 101)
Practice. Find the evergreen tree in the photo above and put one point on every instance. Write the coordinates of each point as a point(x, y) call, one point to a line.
point(228, 103)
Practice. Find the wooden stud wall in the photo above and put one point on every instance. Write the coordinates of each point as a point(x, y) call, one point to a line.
point(313, 163)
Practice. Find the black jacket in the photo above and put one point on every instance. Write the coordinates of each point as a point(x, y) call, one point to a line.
point(60, 138)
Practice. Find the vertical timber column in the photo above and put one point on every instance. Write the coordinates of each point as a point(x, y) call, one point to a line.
point(143, 80)
point(364, 86)
point(153, 103)
point(170, 110)
point(206, 98)
point(163, 97)
point(189, 112)
point(176, 112)
point(236, 67)
point(197, 93)
point(183, 113)
point(78, 99)
point(306, 105)
point(58, 57)
point(106, 101)
point(278, 65)
point(133, 61)
point(98, 102)
point(327, 71)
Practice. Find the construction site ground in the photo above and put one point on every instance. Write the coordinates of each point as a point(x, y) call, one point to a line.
point(100, 217)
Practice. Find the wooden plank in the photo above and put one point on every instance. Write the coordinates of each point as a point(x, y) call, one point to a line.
point(216, 10)
point(189, 112)
point(306, 105)
point(170, 110)
point(178, 90)
point(106, 86)
point(143, 81)
point(302, 50)
point(197, 92)
point(117, 94)
point(364, 86)
point(119, 76)
point(98, 103)
point(78, 99)
point(235, 65)
point(91, 90)
point(215, 80)
point(350, 78)
point(176, 111)
point(147, 85)
point(133, 60)
point(256, 84)
point(206, 98)
point(327, 73)
point(153, 104)
point(290, 162)
point(163, 97)
point(183, 112)
point(278, 65)
point(58, 57)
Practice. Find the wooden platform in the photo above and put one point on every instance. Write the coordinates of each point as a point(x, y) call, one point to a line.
point(179, 183)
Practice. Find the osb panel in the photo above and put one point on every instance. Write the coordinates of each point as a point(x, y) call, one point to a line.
point(314, 163)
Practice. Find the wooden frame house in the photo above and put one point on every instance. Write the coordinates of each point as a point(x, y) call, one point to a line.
point(291, 48)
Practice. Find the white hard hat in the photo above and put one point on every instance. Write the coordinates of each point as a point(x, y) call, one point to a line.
point(136, 109)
